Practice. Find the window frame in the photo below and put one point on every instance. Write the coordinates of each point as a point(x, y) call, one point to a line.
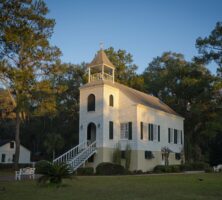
point(111, 100)
point(111, 127)
point(170, 135)
point(126, 131)
point(91, 103)
point(154, 132)
point(3, 158)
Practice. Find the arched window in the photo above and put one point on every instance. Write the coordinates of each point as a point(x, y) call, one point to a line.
point(91, 102)
point(111, 101)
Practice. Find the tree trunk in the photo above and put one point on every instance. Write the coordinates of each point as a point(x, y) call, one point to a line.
point(17, 140)
point(53, 154)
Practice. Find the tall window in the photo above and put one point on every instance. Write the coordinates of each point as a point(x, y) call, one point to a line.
point(91, 102)
point(175, 136)
point(170, 135)
point(154, 132)
point(126, 130)
point(181, 135)
point(111, 100)
point(141, 130)
point(3, 158)
point(110, 130)
point(178, 136)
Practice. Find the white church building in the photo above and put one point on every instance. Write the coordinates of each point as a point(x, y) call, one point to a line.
point(112, 114)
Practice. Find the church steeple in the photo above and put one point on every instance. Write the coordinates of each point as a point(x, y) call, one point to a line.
point(100, 68)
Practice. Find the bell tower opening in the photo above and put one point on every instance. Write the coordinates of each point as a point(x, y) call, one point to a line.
point(101, 68)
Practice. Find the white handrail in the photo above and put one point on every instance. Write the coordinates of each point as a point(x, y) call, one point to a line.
point(83, 156)
point(71, 153)
point(101, 76)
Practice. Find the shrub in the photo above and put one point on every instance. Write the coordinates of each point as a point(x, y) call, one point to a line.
point(209, 170)
point(195, 166)
point(159, 168)
point(85, 171)
point(199, 165)
point(138, 172)
point(42, 166)
point(54, 173)
point(185, 167)
point(109, 169)
point(167, 169)
point(175, 168)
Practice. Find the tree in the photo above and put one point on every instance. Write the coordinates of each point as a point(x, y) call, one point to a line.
point(66, 121)
point(125, 71)
point(6, 106)
point(26, 58)
point(166, 153)
point(210, 47)
point(53, 142)
point(216, 150)
point(189, 89)
point(117, 154)
point(128, 157)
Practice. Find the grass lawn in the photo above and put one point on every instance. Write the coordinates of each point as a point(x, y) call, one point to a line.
point(158, 187)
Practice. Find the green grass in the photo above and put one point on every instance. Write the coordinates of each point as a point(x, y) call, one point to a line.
point(158, 187)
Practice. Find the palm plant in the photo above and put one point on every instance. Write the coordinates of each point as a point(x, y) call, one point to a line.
point(55, 173)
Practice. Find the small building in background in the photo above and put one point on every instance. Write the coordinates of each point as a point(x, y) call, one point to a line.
point(7, 152)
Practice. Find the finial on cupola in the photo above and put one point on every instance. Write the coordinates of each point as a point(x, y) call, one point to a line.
point(101, 44)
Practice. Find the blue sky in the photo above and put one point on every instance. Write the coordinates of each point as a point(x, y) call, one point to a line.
point(144, 28)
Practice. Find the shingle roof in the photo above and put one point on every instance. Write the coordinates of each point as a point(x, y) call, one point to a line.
point(101, 59)
point(136, 96)
point(3, 142)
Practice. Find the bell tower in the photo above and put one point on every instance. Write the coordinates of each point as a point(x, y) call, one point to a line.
point(101, 68)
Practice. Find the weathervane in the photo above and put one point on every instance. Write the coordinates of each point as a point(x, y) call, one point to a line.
point(101, 45)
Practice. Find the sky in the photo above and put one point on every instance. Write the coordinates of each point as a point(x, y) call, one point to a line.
point(144, 28)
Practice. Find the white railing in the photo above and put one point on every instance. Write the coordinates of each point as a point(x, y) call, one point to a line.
point(108, 76)
point(101, 76)
point(72, 153)
point(83, 156)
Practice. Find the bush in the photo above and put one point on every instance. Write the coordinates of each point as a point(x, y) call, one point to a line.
point(42, 167)
point(85, 171)
point(209, 170)
point(109, 169)
point(138, 172)
point(195, 166)
point(175, 168)
point(53, 173)
point(186, 167)
point(199, 165)
point(159, 168)
point(167, 169)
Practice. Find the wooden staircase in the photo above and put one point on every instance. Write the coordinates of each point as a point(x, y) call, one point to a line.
point(78, 155)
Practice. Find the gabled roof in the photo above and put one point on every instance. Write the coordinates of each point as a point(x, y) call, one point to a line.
point(6, 141)
point(101, 59)
point(3, 142)
point(136, 96)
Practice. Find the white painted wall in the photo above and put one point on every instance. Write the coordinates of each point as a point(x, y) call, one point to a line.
point(125, 110)
point(9, 152)
point(93, 116)
point(165, 120)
